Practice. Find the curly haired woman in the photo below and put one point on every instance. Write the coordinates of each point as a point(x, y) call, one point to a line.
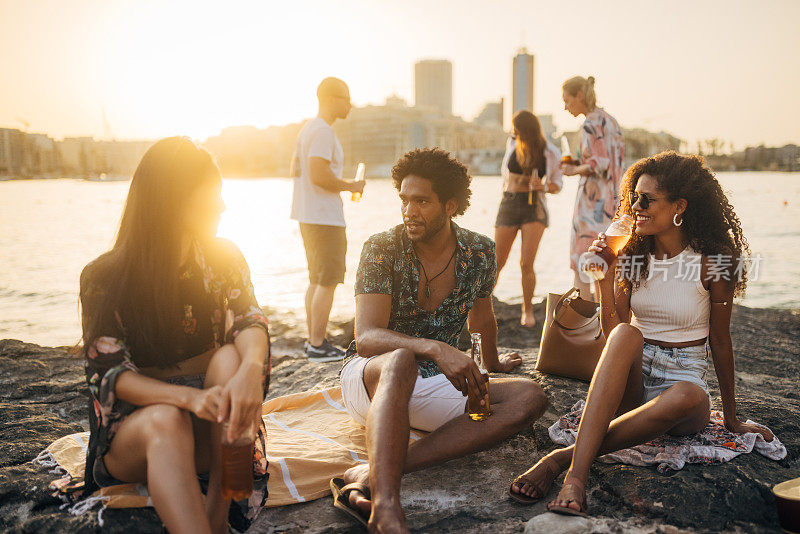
point(658, 321)
point(176, 346)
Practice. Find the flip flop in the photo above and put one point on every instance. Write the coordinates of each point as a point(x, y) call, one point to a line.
point(566, 510)
point(552, 472)
point(341, 498)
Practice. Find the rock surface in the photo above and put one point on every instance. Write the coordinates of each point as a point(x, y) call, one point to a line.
point(42, 397)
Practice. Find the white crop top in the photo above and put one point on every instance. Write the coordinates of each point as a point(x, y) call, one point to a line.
point(671, 304)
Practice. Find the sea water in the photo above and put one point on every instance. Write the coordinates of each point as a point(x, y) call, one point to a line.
point(50, 229)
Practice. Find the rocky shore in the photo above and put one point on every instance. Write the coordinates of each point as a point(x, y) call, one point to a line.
point(42, 397)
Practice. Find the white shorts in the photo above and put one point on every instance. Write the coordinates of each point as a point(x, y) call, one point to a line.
point(434, 400)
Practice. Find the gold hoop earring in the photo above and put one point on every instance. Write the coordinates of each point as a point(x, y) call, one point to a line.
point(675, 220)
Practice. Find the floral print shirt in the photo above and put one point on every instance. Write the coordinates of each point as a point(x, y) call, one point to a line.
point(603, 149)
point(218, 303)
point(390, 266)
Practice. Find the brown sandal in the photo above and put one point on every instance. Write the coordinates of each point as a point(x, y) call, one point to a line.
point(341, 498)
point(579, 499)
point(542, 485)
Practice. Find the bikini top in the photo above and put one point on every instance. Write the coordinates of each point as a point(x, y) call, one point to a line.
point(516, 168)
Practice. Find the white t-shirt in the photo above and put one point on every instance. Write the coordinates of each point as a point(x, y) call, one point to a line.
point(312, 204)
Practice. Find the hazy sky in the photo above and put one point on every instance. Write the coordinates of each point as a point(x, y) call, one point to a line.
point(698, 69)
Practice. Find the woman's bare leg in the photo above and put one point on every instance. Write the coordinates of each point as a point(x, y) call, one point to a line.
point(682, 409)
point(155, 444)
point(531, 237)
point(622, 356)
point(616, 384)
point(504, 237)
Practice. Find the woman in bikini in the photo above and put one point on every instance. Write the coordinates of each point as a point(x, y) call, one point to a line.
point(176, 346)
point(530, 169)
point(658, 320)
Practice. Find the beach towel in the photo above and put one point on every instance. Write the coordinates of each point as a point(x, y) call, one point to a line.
point(310, 439)
point(715, 444)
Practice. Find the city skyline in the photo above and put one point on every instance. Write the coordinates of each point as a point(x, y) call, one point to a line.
point(147, 70)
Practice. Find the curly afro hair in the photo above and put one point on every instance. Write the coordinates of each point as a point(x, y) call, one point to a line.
point(449, 177)
point(709, 221)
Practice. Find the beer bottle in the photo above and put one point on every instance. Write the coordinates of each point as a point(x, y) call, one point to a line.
point(476, 410)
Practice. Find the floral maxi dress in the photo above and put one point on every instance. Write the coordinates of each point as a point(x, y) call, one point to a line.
point(602, 148)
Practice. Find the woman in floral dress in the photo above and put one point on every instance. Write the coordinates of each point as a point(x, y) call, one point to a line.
point(176, 346)
point(602, 156)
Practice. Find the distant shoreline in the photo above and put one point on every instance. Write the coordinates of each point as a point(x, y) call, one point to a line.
point(271, 177)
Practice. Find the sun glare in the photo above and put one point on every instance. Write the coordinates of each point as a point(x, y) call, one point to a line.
point(205, 69)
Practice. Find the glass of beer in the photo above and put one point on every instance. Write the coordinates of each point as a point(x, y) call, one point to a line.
point(237, 463)
point(566, 155)
point(355, 197)
point(568, 159)
point(595, 265)
point(478, 408)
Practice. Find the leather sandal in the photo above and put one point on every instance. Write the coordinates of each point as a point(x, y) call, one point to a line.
point(341, 498)
point(578, 492)
point(542, 484)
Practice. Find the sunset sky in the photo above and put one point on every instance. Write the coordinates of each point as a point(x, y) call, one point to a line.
point(698, 69)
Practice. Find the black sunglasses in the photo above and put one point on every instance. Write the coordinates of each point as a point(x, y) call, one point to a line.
point(642, 198)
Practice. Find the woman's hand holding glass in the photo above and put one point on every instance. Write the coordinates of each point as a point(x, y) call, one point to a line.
point(599, 245)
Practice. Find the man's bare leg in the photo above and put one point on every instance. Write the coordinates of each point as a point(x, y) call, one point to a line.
point(312, 288)
point(392, 377)
point(321, 304)
point(515, 403)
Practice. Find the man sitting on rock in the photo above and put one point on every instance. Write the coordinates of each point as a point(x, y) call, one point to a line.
point(416, 286)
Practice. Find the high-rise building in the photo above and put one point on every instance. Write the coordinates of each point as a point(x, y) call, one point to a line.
point(522, 90)
point(433, 85)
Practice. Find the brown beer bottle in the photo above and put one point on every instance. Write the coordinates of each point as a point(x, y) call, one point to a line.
point(237, 464)
point(476, 410)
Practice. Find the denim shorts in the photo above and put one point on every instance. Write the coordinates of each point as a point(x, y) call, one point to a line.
point(663, 368)
point(514, 210)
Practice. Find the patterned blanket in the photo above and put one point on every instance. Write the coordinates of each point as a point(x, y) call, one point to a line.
point(714, 444)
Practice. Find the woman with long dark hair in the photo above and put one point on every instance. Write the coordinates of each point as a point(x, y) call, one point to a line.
point(176, 346)
point(530, 169)
point(672, 301)
point(602, 159)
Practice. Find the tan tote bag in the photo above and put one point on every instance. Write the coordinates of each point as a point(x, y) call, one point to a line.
point(572, 339)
